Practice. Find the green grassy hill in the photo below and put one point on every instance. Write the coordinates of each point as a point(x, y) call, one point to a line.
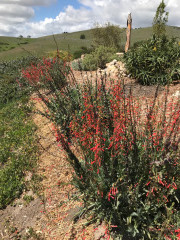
point(11, 48)
point(44, 45)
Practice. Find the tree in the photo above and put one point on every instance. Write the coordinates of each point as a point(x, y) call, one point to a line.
point(28, 36)
point(160, 20)
point(108, 36)
point(82, 36)
point(20, 36)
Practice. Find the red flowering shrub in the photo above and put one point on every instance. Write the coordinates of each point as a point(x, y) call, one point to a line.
point(48, 72)
point(128, 172)
point(130, 161)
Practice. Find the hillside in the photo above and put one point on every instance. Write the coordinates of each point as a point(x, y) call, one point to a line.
point(11, 47)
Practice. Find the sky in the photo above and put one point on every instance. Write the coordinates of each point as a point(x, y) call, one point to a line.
point(46, 17)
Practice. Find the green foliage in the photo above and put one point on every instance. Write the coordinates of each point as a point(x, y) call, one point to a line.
point(78, 65)
point(63, 55)
point(139, 43)
point(42, 46)
point(107, 36)
point(28, 198)
point(82, 36)
point(9, 85)
point(83, 50)
point(13, 67)
point(31, 234)
point(98, 58)
point(8, 44)
point(53, 75)
point(78, 53)
point(17, 149)
point(127, 164)
point(8, 89)
point(120, 173)
point(155, 61)
point(52, 72)
point(160, 20)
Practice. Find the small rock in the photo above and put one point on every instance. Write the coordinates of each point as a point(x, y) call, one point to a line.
point(29, 193)
point(28, 176)
point(99, 232)
point(113, 62)
point(176, 94)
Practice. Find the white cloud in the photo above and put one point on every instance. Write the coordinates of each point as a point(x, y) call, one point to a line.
point(15, 15)
point(14, 11)
point(28, 2)
point(71, 19)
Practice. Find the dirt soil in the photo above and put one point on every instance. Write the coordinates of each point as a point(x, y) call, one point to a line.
point(50, 215)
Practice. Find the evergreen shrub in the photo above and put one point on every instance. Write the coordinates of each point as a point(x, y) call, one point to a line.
point(108, 35)
point(99, 57)
point(155, 61)
point(83, 50)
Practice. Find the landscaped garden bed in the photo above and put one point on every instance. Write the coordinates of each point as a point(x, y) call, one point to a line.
point(121, 147)
point(109, 138)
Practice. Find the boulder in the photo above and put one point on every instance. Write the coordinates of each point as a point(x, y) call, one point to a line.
point(114, 62)
point(114, 68)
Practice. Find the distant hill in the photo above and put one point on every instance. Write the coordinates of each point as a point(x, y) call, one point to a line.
point(11, 47)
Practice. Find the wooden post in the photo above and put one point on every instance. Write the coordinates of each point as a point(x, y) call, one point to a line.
point(128, 32)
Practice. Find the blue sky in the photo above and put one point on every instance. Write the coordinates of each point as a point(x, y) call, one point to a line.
point(53, 10)
point(43, 17)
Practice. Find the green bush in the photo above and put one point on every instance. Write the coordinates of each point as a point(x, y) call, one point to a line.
point(156, 61)
point(52, 72)
point(63, 55)
point(107, 36)
point(139, 43)
point(98, 58)
point(8, 89)
point(10, 71)
point(78, 53)
point(78, 65)
point(14, 66)
point(83, 36)
point(160, 20)
point(53, 75)
point(83, 50)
